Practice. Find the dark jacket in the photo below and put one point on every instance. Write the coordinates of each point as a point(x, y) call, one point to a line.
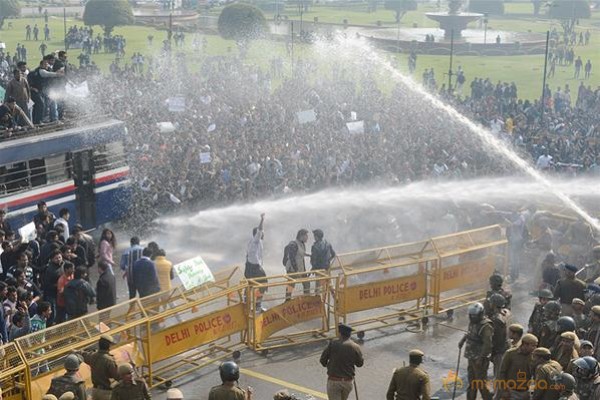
point(106, 290)
point(321, 255)
point(50, 279)
point(78, 294)
point(145, 278)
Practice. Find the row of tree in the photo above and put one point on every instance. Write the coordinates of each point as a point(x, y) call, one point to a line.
point(243, 21)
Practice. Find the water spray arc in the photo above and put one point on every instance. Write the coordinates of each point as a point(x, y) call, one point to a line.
point(486, 137)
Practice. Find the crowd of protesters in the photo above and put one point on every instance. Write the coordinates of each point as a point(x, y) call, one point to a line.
point(48, 277)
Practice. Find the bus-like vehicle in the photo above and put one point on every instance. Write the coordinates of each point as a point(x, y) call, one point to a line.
point(81, 167)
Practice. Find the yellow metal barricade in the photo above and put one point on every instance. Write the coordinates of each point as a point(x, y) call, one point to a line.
point(298, 309)
point(193, 330)
point(466, 261)
point(44, 351)
point(385, 286)
point(14, 377)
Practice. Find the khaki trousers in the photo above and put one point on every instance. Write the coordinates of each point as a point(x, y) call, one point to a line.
point(338, 390)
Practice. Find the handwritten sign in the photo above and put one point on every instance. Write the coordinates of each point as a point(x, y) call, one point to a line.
point(193, 272)
point(356, 127)
point(306, 116)
point(176, 104)
point(27, 232)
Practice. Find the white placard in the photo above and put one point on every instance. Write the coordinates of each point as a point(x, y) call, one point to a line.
point(165, 127)
point(80, 91)
point(176, 104)
point(353, 116)
point(27, 232)
point(306, 116)
point(356, 127)
point(205, 158)
point(193, 272)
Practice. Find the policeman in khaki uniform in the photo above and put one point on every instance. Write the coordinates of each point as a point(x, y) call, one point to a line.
point(340, 358)
point(477, 351)
point(103, 367)
point(129, 388)
point(536, 320)
point(516, 370)
point(500, 318)
point(565, 352)
point(229, 389)
point(496, 281)
point(593, 333)
point(567, 384)
point(588, 379)
point(515, 333)
point(549, 331)
point(70, 381)
point(410, 383)
point(582, 321)
point(546, 371)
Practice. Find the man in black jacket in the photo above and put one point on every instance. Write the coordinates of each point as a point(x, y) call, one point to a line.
point(321, 253)
point(106, 292)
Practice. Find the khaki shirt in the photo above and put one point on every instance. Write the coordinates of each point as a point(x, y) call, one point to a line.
point(340, 357)
point(564, 357)
point(409, 383)
point(543, 381)
point(136, 390)
point(103, 366)
point(223, 392)
point(516, 366)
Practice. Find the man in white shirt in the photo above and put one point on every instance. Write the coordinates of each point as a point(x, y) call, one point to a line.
point(64, 222)
point(544, 161)
point(254, 261)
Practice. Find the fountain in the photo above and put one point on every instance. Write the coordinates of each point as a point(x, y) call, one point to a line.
point(454, 21)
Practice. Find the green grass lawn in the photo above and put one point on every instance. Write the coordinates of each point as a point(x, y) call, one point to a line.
point(525, 71)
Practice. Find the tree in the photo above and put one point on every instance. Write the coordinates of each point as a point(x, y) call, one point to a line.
point(568, 12)
point(8, 8)
point(401, 7)
point(108, 14)
point(242, 22)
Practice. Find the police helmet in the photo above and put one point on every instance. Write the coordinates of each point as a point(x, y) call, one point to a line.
point(545, 294)
point(496, 280)
point(72, 363)
point(552, 308)
point(565, 324)
point(229, 371)
point(475, 309)
point(566, 381)
point(497, 300)
point(586, 367)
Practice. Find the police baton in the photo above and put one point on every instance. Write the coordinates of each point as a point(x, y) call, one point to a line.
point(456, 374)
point(355, 388)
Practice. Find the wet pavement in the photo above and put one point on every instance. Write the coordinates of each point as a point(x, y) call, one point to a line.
point(298, 370)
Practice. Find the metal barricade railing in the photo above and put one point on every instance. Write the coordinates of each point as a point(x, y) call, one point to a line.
point(292, 316)
point(466, 261)
point(175, 332)
point(383, 296)
point(44, 351)
point(193, 331)
point(14, 375)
